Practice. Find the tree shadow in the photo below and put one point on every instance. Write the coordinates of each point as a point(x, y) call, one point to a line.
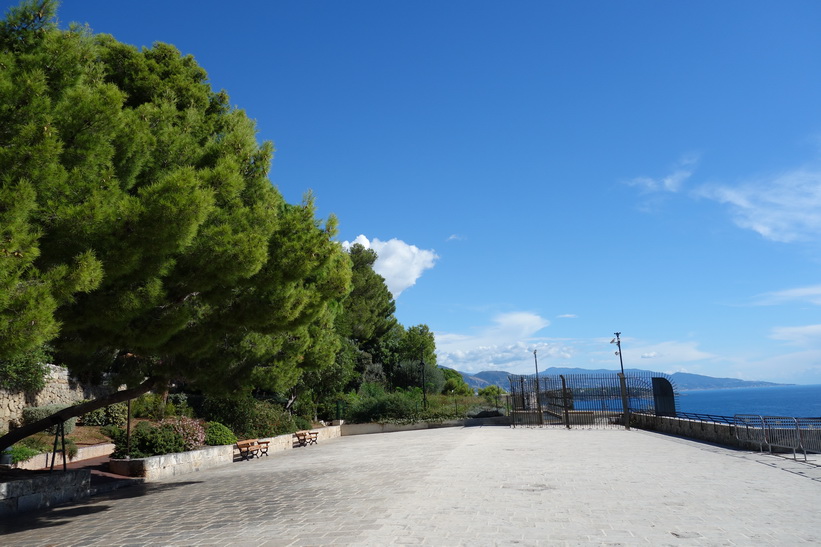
point(65, 513)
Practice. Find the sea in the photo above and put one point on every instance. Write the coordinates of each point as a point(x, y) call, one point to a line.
point(796, 401)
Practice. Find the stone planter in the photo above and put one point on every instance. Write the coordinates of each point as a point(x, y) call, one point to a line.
point(169, 465)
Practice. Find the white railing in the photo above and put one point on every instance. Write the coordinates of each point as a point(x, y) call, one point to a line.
point(784, 432)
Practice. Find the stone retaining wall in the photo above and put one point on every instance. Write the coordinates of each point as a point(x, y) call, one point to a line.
point(43, 461)
point(170, 465)
point(60, 389)
point(704, 431)
point(43, 491)
point(367, 429)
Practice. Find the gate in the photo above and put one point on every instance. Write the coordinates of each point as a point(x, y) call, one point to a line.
point(588, 400)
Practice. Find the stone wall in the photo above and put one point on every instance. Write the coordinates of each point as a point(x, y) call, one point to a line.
point(60, 389)
point(170, 465)
point(42, 491)
point(704, 431)
point(370, 428)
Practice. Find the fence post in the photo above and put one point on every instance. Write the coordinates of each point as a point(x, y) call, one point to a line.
point(625, 406)
point(564, 403)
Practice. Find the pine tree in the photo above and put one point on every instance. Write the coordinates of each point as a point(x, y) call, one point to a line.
point(142, 236)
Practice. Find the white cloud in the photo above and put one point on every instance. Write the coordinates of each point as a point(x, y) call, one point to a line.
point(810, 294)
point(568, 316)
point(669, 353)
point(802, 367)
point(399, 263)
point(455, 237)
point(784, 208)
point(682, 170)
point(807, 335)
point(507, 344)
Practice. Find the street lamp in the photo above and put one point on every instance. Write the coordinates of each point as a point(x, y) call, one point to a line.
point(622, 383)
point(617, 341)
point(424, 391)
point(538, 400)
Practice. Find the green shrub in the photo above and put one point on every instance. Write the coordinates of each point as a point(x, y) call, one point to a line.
point(113, 432)
point(191, 431)
point(151, 406)
point(217, 434)
point(179, 406)
point(35, 413)
point(234, 412)
point(37, 444)
point(148, 440)
point(116, 414)
point(384, 407)
point(247, 417)
point(301, 422)
point(21, 453)
point(269, 419)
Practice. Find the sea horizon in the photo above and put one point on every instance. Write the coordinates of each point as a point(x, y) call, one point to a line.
point(794, 400)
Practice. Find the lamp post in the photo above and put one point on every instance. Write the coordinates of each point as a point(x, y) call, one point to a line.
point(622, 382)
point(424, 391)
point(538, 400)
point(617, 341)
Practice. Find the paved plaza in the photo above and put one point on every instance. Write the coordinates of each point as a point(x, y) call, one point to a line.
point(460, 486)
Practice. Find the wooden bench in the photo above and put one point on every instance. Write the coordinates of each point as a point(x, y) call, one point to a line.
point(304, 438)
point(251, 448)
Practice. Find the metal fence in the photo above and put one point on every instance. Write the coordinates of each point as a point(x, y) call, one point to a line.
point(582, 400)
point(782, 432)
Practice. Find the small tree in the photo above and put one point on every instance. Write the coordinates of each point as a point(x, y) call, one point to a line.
point(492, 394)
point(454, 383)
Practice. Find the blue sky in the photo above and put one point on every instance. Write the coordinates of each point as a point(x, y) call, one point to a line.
point(539, 175)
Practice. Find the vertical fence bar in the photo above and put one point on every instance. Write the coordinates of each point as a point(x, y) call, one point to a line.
point(565, 410)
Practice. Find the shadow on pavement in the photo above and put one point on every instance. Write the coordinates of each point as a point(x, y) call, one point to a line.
point(64, 514)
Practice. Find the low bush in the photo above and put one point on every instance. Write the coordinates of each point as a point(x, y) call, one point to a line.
point(147, 440)
point(178, 405)
point(116, 414)
point(151, 406)
point(21, 453)
point(217, 434)
point(35, 413)
point(248, 417)
point(301, 422)
point(191, 431)
point(384, 407)
point(269, 420)
point(40, 443)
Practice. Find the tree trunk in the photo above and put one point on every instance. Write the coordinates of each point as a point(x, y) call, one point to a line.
point(77, 410)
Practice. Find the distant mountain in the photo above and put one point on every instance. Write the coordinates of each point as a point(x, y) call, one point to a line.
point(682, 380)
point(686, 381)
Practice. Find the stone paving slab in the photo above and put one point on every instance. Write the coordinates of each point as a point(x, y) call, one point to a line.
point(460, 486)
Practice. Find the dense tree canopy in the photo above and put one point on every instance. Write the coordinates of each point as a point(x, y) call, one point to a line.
point(139, 233)
point(369, 308)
